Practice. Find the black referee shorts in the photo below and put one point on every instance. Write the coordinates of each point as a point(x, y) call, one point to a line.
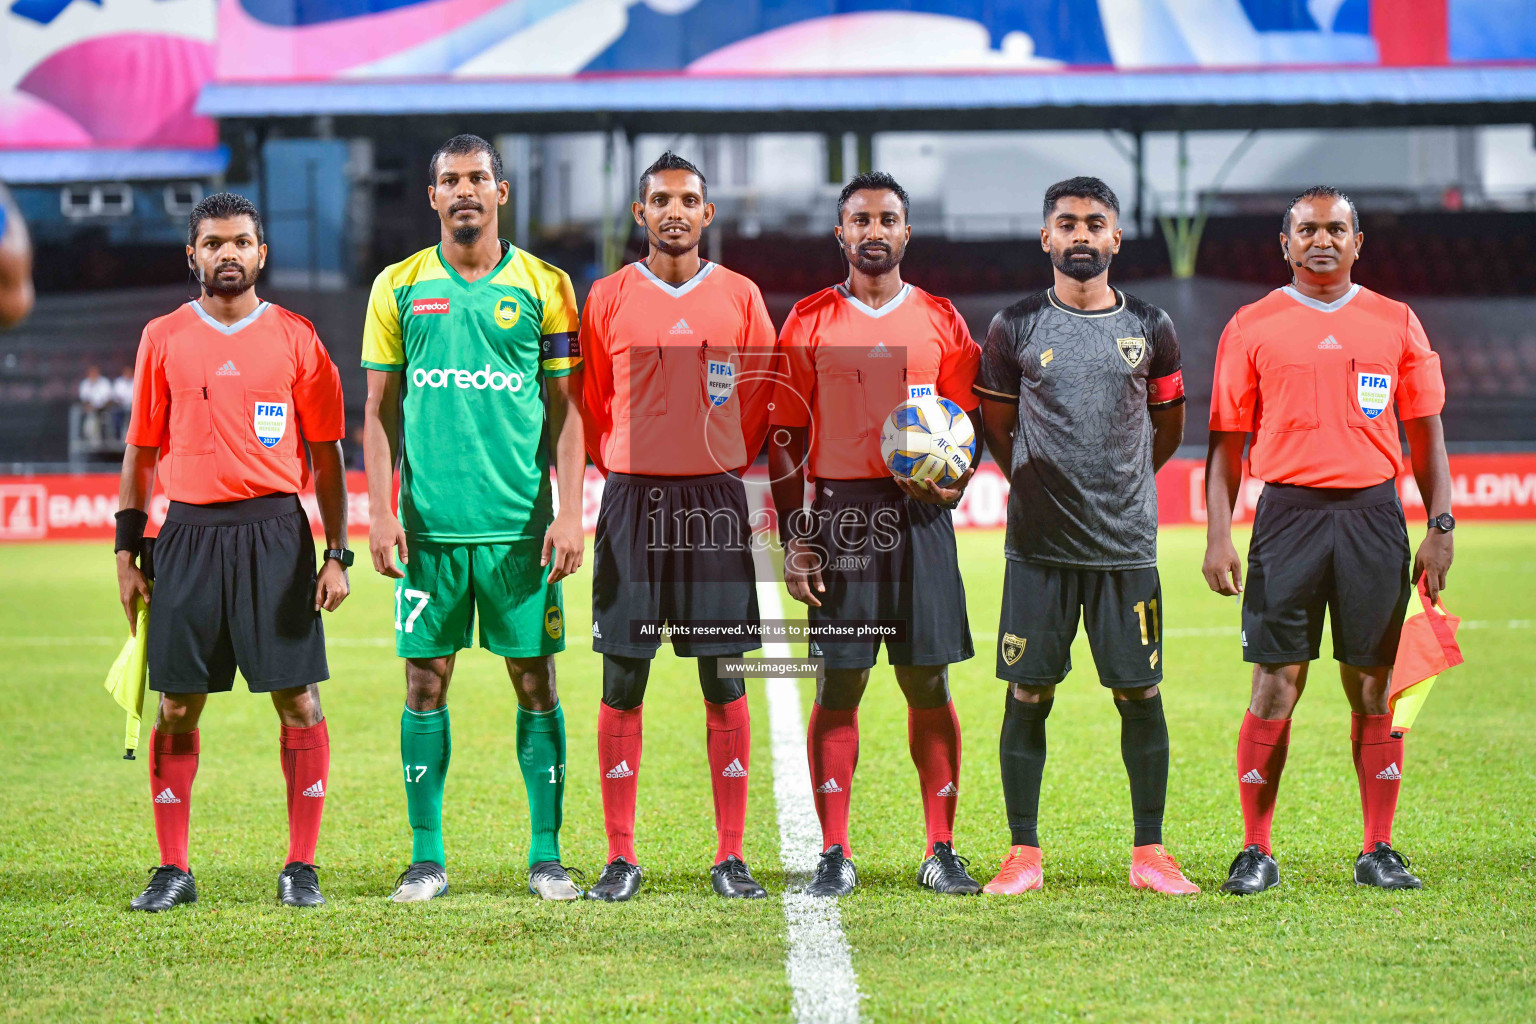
point(1315, 549)
point(674, 549)
point(235, 588)
point(887, 558)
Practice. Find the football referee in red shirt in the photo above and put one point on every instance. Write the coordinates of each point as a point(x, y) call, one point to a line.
point(1314, 372)
point(229, 391)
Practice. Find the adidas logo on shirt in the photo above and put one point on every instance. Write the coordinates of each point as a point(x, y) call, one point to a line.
point(948, 790)
point(165, 796)
point(681, 327)
point(622, 770)
point(734, 770)
point(317, 790)
point(227, 370)
point(880, 351)
point(1329, 342)
point(830, 786)
point(1252, 777)
point(1390, 773)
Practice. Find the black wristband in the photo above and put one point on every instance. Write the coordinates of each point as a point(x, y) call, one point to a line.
point(130, 531)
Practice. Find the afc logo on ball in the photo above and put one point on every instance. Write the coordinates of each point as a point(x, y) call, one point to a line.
point(270, 422)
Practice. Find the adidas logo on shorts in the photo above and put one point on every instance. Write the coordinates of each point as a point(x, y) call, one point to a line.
point(622, 770)
point(830, 786)
point(1253, 778)
point(734, 770)
point(948, 790)
point(1390, 773)
point(165, 796)
point(317, 790)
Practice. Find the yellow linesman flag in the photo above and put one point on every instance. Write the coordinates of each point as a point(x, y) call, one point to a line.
point(1428, 647)
point(127, 677)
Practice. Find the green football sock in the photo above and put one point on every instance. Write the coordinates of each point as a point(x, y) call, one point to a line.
point(541, 756)
point(425, 744)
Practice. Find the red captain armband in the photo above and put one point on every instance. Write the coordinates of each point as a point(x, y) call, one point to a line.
point(1162, 390)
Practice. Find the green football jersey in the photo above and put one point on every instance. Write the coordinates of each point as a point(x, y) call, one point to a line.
point(472, 358)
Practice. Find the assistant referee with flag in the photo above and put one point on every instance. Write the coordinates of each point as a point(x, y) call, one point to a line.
point(225, 389)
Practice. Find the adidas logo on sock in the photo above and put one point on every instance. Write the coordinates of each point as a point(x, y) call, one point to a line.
point(830, 786)
point(734, 770)
point(1253, 777)
point(1390, 773)
point(165, 796)
point(227, 370)
point(948, 790)
point(317, 790)
point(1329, 342)
point(880, 351)
point(681, 327)
point(622, 770)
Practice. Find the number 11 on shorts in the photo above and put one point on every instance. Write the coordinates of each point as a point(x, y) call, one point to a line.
point(1146, 611)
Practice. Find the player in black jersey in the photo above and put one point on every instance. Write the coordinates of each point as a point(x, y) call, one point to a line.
point(1082, 386)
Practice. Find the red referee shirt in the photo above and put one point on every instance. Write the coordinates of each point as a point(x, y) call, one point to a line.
point(1318, 386)
point(230, 404)
point(849, 366)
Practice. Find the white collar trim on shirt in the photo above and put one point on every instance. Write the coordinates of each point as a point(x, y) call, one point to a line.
point(679, 290)
point(1323, 307)
point(234, 328)
point(867, 310)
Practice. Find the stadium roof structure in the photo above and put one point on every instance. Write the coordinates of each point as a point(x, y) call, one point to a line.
point(1164, 100)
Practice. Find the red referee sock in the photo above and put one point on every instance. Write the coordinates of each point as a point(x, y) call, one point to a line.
point(618, 764)
point(1261, 747)
point(933, 737)
point(832, 747)
point(306, 754)
point(172, 767)
point(729, 740)
point(1379, 767)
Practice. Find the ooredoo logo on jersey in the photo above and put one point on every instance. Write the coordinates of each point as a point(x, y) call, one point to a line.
point(420, 307)
point(480, 380)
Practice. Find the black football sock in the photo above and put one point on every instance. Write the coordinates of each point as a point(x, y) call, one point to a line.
point(1021, 750)
point(1144, 749)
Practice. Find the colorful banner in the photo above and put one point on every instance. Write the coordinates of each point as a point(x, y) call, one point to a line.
point(1486, 487)
point(125, 73)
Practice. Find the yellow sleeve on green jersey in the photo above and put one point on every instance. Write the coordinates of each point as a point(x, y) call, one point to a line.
point(383, 346)
point(559, 349)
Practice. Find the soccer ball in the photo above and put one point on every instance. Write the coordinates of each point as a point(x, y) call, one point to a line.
point(928, 438)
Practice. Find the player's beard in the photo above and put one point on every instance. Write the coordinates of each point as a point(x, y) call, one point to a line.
point(466, 234)
point(1082, 270)
point(225, 287)
point(877, 265)
point(689, 243)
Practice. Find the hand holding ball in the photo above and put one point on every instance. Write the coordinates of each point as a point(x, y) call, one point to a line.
point(928, 438)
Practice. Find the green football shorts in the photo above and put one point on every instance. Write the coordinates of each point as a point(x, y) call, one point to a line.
point(521, 615)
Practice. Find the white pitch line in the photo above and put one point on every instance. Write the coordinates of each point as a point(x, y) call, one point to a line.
point(818, 960)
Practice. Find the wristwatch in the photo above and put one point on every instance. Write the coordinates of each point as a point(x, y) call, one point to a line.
point(1445, 522)
point(342, 555)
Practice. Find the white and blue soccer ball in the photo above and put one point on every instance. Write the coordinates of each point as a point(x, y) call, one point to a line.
point(928, 438)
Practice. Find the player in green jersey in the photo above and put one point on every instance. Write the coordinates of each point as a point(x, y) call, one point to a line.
point(463, 344)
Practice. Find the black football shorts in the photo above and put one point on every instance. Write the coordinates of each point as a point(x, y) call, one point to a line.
point(235, 588)
point(886, 558)
point(1324, 549)
point(673, 550)
point(1121, 608)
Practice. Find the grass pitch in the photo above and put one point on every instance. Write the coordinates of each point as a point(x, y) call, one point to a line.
point(79, 839)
